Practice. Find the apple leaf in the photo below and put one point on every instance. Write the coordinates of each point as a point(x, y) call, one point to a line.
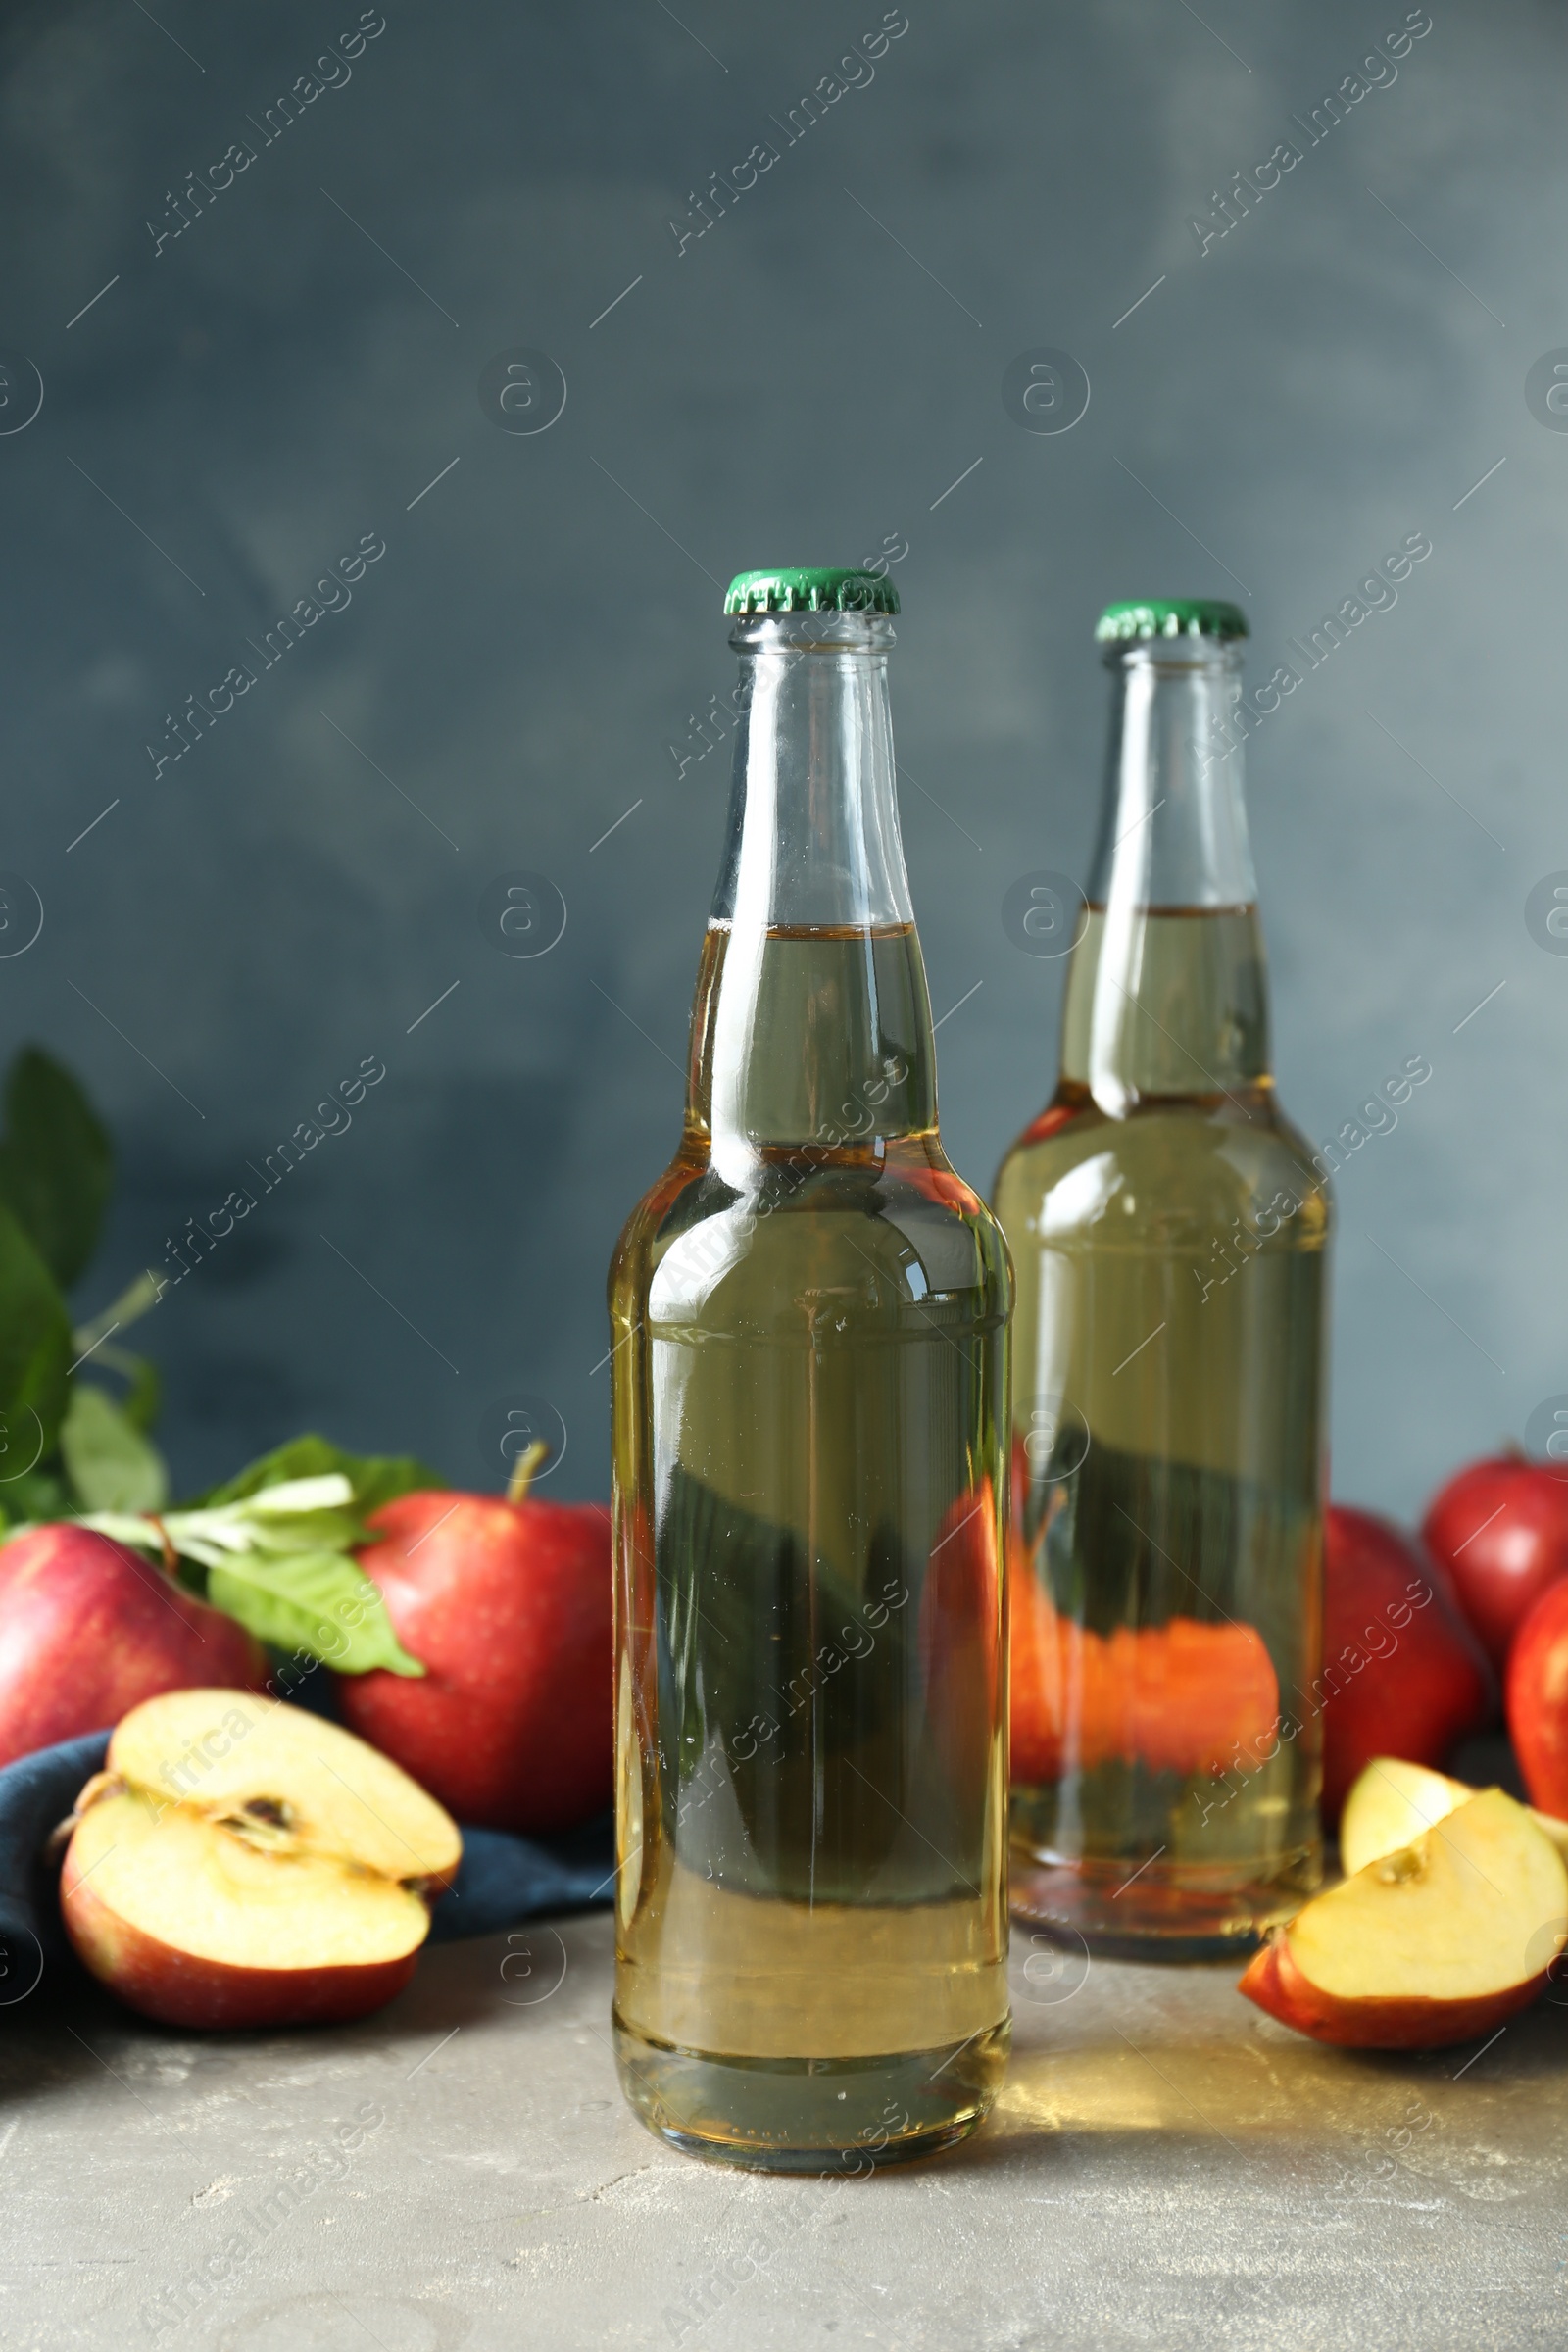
point(304, 1531)
point(56, 1163)
point(316, 1601)
point(376, 1478)
point(34, 1353)
point(111, 1464)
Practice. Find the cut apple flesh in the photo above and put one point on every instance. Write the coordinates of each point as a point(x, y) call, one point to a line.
point(1394, 1801)
point(239, 1864)
point(216, 1753)
point(1390, 1803)
point(1432, 1943)
point(1452, 1915)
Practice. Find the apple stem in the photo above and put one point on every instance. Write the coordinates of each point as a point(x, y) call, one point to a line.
point(171, 1555)
point(522, 1476)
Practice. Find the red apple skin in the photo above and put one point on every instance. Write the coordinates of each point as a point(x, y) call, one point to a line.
point(1275, 1982)
point(1430, 1685)
point(178, 1989)
point(507, 1606)
point(88, 1630)
point(1538, 1699)
point(1501, 1529)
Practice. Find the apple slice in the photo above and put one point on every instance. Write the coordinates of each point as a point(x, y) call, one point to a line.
point(243, 1863)
point(1441, 1940)
point(1394, 1801)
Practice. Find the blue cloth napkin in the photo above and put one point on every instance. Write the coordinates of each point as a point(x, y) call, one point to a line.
point(502, 1880)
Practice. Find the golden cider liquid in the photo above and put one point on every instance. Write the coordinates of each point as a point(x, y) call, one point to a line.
point(809, 1438)
point(1170, 1245)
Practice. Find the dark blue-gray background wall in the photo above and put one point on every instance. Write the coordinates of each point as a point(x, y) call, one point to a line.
point(802, 382)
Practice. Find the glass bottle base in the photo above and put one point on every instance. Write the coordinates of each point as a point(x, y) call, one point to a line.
point(826, 2116)
point(1153, 1914)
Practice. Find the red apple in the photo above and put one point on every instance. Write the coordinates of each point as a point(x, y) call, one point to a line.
point(240, 1863)
point(1501, 1529)
point(90, 1629)
point(1434, 1944)
point(1402, 1672)
point(1538, 1699)
point(508, 1604)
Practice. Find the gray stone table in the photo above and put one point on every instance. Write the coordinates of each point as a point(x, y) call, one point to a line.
point(1166, 2167)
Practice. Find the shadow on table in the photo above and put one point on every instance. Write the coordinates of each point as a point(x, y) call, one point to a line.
point(71, 2030)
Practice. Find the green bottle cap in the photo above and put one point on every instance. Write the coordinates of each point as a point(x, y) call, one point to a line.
point(1172, 616)
point(808, 591)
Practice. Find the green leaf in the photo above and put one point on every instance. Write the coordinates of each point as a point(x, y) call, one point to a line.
point(376, 1478)
point(313, 1531)
point(316, 1601)
point(34, 1353)
point(112, 1466)
point(56, 1163)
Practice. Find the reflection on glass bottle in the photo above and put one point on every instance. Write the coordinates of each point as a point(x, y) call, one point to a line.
point(808, 1323)
point(1170, 1238)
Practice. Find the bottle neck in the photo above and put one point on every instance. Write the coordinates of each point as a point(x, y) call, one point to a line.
point(1167, 991)
point(812, 1023)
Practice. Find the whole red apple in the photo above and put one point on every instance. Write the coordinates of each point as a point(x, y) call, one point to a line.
point(508, 1605)
point(1538, 1699)
point(1501, 1529)
point(88, 1630)
point(1402, 1672)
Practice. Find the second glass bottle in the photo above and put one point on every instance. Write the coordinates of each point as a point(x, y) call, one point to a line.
point(1170, 1238)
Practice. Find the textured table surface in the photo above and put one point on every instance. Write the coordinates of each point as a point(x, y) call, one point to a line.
point(1166, 2167)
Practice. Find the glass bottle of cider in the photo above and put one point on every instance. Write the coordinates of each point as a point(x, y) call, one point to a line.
point(1168, 1443)
point(809, 1317)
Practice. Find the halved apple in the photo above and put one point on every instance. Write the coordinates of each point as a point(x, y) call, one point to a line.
point(1441, 1940)
point(243, 1863)
point(1394, 1801)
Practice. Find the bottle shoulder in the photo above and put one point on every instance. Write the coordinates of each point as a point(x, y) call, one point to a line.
point(1178, 1160)
point(646, 1220)
point(811, 1222)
